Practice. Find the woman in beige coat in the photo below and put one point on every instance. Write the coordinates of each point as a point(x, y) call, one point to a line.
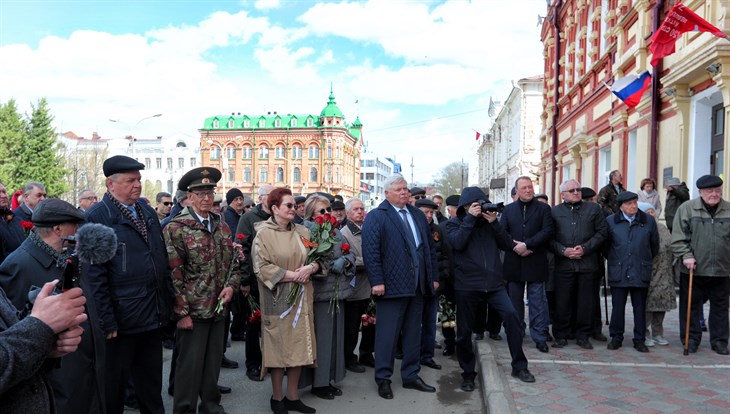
point(287, 328)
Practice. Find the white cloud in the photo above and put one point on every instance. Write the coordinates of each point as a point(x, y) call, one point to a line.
point(267, 4)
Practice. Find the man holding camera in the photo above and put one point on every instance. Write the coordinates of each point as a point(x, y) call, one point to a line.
point(476, 237)
point(77, 383)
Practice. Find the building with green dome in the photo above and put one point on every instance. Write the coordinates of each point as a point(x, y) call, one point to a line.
point(304, 152)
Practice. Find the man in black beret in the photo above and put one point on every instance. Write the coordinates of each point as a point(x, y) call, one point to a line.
point(452, 204)
point(699, 238)
point(542, 197)
point(417, 193)
point(338, 210)
point(299, 219)
point(232, 215)
point(587, 194)
point(198, 235)
point(40, 259)
point(133, 291)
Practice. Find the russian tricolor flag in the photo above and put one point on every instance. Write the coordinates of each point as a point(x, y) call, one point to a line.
point(630, 88)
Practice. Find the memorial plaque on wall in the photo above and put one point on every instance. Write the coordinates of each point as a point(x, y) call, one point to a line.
point(667, 174)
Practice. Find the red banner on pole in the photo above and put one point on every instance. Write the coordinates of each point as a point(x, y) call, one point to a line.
point(680, 20)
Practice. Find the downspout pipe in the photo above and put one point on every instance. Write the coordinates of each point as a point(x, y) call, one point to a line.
point(556, 98)
point(656, 99)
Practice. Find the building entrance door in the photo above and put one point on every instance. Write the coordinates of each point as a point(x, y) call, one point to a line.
point(717, 145)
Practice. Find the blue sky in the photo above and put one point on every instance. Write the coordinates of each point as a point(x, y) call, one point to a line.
point(422, 71)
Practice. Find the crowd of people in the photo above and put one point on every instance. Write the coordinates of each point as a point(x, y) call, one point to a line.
point(316, 286)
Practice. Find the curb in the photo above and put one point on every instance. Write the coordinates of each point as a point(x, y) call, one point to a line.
point(495, 389)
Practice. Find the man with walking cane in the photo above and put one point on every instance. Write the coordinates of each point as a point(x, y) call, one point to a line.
point(699, 238)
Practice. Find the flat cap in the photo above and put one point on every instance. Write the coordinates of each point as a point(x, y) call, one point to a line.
point(709, 181)
point(338, 205)
point(218, 199)
point(52, 211)
point(672, 181)
point(586, 192)
point(626, 196)
point(120, 164)
point(424, 202)
point(453, 200)
point(180, 196)
point(542, 196)
point(417, 190)
point(201, 178)
point(644, 206)
point(300, 199)
point(232, 194)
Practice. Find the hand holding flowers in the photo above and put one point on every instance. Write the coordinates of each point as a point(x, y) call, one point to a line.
point(227, 293)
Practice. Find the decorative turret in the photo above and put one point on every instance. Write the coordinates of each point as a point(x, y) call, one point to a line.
point(331, 115)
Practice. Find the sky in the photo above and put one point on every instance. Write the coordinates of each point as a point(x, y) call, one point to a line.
point(418, 73)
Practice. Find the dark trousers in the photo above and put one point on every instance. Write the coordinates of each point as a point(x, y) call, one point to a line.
point(253, 333)
point(573, 288)
point(398, 316)
point(240, 315)
point(139, 356)
point(537, 302)
point(618, 317)
point(467, 305)
point(428, 326)
point(354, 309)
point(717, 289)
point(198, 366)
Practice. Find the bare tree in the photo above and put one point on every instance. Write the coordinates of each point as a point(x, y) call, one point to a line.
point(452, 178)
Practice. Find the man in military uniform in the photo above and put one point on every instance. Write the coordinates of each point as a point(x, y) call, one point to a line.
point(200, 249)
point(41, 258)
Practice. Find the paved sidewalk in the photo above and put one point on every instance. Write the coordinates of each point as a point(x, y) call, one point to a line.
point(574, 380)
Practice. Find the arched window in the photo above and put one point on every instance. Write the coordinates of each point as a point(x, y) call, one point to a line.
point(279, 175)
point(215, 153)
point(297, 175)
point(313, 175)
point(263, 151)
point(280, 152)
point(246, 152)
point(231, 175)
point(313, 151)
point(296, 152)
point(263, 176)
point(337, 174)
point(231, 153)
point(247, 175)
point(329, 151)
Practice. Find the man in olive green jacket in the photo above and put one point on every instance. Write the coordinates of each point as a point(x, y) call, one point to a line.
point(700, 239)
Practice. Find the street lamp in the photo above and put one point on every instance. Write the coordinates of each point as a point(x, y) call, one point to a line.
point(132, 128)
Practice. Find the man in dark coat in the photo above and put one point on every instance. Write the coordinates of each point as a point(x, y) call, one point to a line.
point(529, 224)
point(30, 345)
point(33, 193)
point(249, 284)
point(232, 215)
point(607, 195)
point(133, 291)
point(11, 233)
point(402, 267)
point(580, 230)
point(78, 382)
point(633, 241)
point(476, 237)
point(677, 193)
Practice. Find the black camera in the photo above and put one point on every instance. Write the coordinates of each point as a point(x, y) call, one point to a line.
point(488, 207)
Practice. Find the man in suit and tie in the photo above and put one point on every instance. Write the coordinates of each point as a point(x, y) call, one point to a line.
point(402, 266)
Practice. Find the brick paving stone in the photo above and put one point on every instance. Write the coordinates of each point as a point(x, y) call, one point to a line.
point(646, 410)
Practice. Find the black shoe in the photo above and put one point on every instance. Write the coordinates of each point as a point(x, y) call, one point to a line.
point(584, 343)
point(599, 336)
point(367, 360)
point(448, 351)
point(398, 354)
point(324, 393)
point(228, 363)
point(468, 385)
point(431, 364)
point(692, 347)
point(254, 374)
point(542, 347)
point(419, 385)
point(721, 349)
point(560, 343)
point(336, 391)
point(614, 344)
point(641, 346)
point(495, 336)
point(384, 390)
point(479, 336)
point(355, 367)
point(570, 336)
point(523, 375)
point(278, 407)
point(548, 337)
point(297, 405)
point(224, 390)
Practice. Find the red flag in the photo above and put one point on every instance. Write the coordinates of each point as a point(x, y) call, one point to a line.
point(679, 20)
point(478, 135)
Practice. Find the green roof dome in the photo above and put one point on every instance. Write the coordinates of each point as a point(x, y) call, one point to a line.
point(331, 109)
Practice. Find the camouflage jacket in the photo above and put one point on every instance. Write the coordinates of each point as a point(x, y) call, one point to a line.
point(199, 261)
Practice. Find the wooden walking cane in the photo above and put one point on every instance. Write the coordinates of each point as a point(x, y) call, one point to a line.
point(689, 307)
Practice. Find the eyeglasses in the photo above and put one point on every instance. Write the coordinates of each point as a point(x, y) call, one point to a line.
point(325, 210)
point(573, 190)
point(92, 198)
point(418, 197)
point(204, 194)
point(248, 206)
point(165, 203)
point(288, 205)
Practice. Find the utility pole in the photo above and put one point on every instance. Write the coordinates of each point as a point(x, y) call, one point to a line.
point(411, 170)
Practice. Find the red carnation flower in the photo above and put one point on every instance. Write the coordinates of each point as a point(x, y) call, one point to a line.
point(26, 225)
point(240, 236)
point(345, 248)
